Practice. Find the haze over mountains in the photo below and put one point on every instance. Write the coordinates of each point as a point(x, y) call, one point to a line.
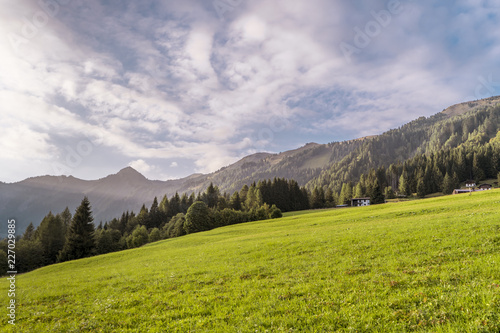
point(311, 165)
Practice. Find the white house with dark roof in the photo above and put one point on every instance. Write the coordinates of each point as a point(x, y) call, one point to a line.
point(358, 202)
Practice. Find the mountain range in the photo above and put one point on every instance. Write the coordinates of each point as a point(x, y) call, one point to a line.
point(311, 165)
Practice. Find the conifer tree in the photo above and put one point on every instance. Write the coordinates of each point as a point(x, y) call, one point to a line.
point(251, 198)
point(29, 233)
point(420, 187)
point(155, 215)
point(51, 234)
point(376, 196)
point(316, 200)
point(212, 196)
point(80, 241)
point(143, 216)
point(243, 193)
point(329, 200)
point(477, 169)
point(191, 200)
point(358, 192)
point(258, 197)
point(455, 181)
point(184, 202)
point(403, 184)
point(322, 199)
point(346, 193)
point(448, 185)
point(174, 206)
point(66, 217)
point(163, 206)
point(235, 202)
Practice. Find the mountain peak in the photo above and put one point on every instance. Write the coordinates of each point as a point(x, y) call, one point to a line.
point(130, 172)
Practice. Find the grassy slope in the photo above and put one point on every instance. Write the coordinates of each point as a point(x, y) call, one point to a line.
point(428, 265)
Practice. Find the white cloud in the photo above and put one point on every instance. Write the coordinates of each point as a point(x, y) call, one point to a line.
point(141, 166)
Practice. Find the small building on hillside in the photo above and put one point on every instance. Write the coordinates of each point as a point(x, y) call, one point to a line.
point(358, 202)
point(483, 187)
point(470, 183)
point(462, 190)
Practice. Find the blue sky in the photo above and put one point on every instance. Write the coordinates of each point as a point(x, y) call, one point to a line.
point(177, 87)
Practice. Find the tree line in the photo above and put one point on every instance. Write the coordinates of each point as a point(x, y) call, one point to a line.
point(441, 171)
point(63, 236)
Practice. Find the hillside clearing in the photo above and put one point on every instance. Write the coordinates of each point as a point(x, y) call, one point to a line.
point(425, 265)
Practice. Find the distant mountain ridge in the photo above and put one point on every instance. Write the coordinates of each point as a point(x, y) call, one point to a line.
point(311, 165)
point(31, 199)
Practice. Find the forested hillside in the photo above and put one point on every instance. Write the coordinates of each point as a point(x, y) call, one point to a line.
point(461, 138)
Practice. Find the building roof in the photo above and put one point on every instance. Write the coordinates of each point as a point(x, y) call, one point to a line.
point(360, 199)
point(461, 190)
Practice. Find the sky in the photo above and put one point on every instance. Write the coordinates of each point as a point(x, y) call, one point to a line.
point(171, 88)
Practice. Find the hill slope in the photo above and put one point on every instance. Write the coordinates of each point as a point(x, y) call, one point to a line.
point(427, 265)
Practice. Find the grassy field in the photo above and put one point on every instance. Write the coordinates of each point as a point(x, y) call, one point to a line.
point(420, 266)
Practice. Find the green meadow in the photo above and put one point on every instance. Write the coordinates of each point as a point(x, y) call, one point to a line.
point(429, 265)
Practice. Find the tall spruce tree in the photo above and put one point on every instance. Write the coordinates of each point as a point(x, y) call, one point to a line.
point(212, 195)
point(235, 202)
point(448, 185)
point(420, 187)
point(80, 242)
point(155, 215)
point(29, 233)
point(403, 184)
point(51, 234)
point(477, 170)
point(358, 191)
point(316, 199)
point(66, 218)
point(346, 194)
point(376, 197)
point(329, 200)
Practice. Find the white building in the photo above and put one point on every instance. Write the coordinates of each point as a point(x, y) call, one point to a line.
point(358, 202)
